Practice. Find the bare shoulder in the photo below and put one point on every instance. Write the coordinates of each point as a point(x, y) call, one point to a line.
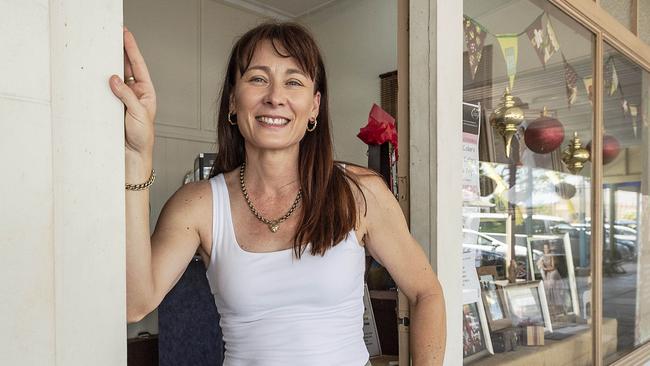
point(188, 208)
point(372, 184)
point(192, 196)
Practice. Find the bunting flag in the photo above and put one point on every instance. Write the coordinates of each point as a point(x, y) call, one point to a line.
point(613, 80)
point(474, 38)
point(634, 112)
point(537, 35)
point(571, 79)
point(589, 82)
point(550, 45)
point(625, 106)
point(509, 47)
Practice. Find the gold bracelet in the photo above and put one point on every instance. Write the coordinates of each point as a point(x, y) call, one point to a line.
point(142, 186)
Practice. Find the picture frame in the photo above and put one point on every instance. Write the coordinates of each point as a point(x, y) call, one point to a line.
point(555, 267)
point(493, 302)
point(526, 304)
point(476, 335)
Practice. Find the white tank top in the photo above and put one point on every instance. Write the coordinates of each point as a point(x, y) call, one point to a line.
point(277, 310)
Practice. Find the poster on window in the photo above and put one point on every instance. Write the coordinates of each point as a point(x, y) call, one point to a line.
point(471, 130)
point(642, 323)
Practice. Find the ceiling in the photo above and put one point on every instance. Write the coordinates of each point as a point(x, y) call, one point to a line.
point(288, 9)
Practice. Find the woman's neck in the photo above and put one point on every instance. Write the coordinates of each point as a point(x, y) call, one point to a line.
point(272, 173)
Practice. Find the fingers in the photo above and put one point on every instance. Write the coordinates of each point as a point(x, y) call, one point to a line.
point(127, 66)
point(126, 95)
point(134, 59)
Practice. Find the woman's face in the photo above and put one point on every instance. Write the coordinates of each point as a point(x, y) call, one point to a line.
point(273, 100)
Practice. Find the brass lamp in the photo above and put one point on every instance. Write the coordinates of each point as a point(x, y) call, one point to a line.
point(507, 118)
point(575, 155)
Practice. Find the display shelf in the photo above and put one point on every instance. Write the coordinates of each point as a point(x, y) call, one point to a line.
point(574, 350)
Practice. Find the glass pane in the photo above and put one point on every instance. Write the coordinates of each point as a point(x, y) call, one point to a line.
point(527, 82)
point(626, 260)
point(619, 9)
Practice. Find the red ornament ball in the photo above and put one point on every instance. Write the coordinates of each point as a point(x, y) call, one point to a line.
point(611, 148)
point(544, 135)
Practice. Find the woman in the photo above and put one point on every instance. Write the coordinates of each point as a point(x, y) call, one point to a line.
point(553, 282)
point(280, 226)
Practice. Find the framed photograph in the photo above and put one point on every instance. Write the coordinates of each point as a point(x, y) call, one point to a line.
point(551, 260)
point(495, 309)
point(526, 304)
point(476, 336)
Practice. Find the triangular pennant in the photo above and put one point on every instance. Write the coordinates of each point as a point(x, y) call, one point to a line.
point(474, 39)
point(550, 45)
point(537, 36)
point(571, 80)
point(613, 84)
point(509, 47)
point(589, 82)
point(634, 112)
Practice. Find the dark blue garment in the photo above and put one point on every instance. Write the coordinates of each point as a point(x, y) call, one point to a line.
point(188, 322)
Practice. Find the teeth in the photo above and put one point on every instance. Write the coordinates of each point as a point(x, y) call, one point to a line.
point(273, 121)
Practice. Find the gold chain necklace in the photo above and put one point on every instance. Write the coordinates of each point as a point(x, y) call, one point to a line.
point(273, 225)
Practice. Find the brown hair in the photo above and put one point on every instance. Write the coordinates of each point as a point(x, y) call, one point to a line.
point(329, 207)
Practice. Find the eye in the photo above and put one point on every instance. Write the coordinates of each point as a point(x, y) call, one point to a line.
point(257, 80)
point(294, 82)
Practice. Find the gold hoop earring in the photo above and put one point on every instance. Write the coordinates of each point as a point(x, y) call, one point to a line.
point(314, 126)
point(230, 120)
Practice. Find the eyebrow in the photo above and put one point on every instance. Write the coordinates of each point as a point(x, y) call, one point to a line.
point(268, 70)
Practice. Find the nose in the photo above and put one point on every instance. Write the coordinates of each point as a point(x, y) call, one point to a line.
point(275, 95)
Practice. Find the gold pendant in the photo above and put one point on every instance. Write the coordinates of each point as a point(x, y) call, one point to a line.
point(274, 227)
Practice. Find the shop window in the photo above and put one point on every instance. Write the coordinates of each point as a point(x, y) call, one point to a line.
point(625, 200)
point(527, 120)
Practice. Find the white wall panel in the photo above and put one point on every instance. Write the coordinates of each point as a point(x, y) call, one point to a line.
point(25, 49)
point(167, 32)
point(26, 246)
point(88, 183)
point(220, 26)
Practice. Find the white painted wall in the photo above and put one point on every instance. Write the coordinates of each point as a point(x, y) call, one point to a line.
point(63, 282)
point(26, 242)
point(358, 39)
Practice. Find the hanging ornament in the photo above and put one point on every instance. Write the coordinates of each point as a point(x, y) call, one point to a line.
point(506, 118)
point(611, 148)
point(544, 134)
point(565, 190)
point(574, 155)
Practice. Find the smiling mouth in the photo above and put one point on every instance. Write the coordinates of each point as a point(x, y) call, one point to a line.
point(272, 121)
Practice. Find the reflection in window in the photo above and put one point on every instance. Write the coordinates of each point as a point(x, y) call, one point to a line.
point(527, 122)
point(625, 195)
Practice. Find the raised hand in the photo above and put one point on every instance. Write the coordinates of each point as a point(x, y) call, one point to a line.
point(138, 95)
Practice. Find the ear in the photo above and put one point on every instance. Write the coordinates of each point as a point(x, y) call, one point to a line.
point(231, 103)
point(316, 106)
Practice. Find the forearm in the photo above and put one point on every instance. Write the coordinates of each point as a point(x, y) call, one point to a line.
point(139, 279)
point(428, 331)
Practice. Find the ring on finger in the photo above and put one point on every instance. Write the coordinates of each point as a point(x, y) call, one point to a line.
point(130, 79)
